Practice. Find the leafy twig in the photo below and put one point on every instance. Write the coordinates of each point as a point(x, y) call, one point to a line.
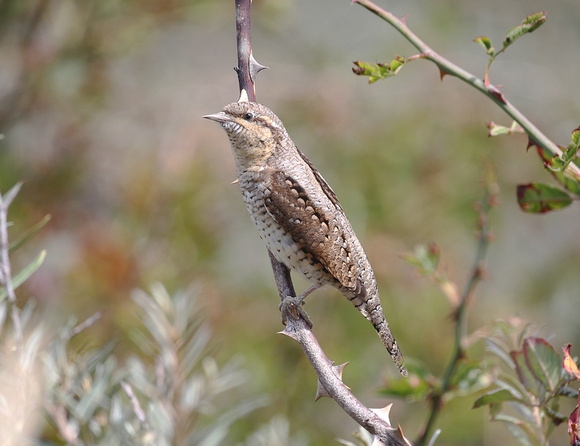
point(491, 91)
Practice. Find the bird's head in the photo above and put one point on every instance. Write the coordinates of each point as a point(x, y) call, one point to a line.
point(253, 129)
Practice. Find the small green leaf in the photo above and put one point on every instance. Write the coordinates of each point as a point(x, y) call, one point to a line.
point(415, 388)
point(468, 377)
point(425, 259)
point(543, 362)
point(378, 71)
point(576, 137)
point(569, 154)
point(485, 44)
point(541, 198)
point(525, 375)
point(497, 130)
point(569, 182)
point(495, 397)
point(24, 274)
point(530, 23)
point(23, 239)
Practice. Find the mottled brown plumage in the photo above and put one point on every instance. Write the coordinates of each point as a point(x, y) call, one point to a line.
point(297, 214)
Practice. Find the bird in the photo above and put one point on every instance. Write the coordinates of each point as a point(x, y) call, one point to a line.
point(298, 215)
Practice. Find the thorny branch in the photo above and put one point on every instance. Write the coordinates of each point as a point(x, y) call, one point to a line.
point(329, 376)
point(447, 67)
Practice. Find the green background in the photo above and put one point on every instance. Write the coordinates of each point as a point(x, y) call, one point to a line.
point(100, 108)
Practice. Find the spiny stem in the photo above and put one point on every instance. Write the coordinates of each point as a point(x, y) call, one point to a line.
point(489, 90)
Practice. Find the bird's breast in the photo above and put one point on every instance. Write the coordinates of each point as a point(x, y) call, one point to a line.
point(280, 243)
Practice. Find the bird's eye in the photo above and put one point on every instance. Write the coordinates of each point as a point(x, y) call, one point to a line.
point(248, 116)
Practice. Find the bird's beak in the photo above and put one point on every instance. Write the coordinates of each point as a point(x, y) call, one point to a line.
point(220, 117)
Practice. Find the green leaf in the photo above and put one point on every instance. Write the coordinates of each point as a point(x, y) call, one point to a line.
point(530, 23)
point(468, 377)
point(24, 238)
point(541, 198)
point(570, 183)
point(485, 44)
point(24, 274)
point(559, 163)
point(525, 375)
point(520, 430)
point(576, 137)
point(497, 130)
point(415, 388)
point(425, 259)
point(495, 397)
point(543, 362)
point(378, 71)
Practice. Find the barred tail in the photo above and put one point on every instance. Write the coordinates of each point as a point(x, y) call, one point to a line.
point(391, 344)
point(370, 307)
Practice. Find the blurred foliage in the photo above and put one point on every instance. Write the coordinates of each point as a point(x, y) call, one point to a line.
point(531, 381)
point(100, 108)
point(176, 395)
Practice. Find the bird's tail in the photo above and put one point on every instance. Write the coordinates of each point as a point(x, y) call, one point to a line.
point(391, 344)
point(366, 301)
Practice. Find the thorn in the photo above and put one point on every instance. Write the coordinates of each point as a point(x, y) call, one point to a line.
point(403, 19)
point(384, 412)
point(531, 143)
point(243, 96)
point(255, 67)
point(320, 391)
point(236, 181)
point(442, 73)
point(337, 370)
point(290, 334)
point(496, 93)
point(402, 436)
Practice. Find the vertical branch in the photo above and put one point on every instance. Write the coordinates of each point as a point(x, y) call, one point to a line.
point(247, 66)
point(244, 35)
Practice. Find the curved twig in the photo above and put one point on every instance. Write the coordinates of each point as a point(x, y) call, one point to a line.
point(447, 67)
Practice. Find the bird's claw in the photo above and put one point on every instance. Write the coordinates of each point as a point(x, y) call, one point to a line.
point(291, 306)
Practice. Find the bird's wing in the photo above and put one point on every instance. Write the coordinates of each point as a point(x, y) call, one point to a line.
point(315, 228)
point(323, 184)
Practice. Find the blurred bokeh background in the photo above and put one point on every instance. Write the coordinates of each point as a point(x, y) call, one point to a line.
point(100, 108)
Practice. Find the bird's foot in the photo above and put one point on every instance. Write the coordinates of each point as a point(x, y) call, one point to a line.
point(291, 306)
